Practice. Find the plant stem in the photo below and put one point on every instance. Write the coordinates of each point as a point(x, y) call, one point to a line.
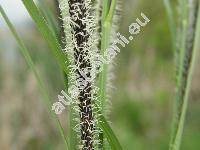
point(105, 41)
point(187, 58)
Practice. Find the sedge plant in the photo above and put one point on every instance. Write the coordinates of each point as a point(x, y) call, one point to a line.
point(82, 39)
point(88, 27)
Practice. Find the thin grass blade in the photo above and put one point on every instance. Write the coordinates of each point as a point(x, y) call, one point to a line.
point(172, 23)
point(112, 139)
point(49, 16)
point(48, 35)
point(41, 85)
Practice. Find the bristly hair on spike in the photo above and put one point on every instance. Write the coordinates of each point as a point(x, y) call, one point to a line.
point(82, 27)
point(81, 45)
point(110, 73)
point(187, 25)
point(111, 67)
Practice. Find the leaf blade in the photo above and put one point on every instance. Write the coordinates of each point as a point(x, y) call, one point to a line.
point(30, 63)
point(47, 33)
point(112, 139)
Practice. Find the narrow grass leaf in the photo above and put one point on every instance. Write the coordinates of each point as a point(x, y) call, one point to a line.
point(30, 63)
point(49, 16)
point(172, 23)
point(112, 139)
point(48, 35)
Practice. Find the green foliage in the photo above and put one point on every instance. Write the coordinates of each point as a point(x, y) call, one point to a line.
point(133, 121)
point(47, 33)
point(112, 139)
point(30, 63)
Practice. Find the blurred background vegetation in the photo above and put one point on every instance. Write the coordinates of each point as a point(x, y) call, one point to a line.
point(141, 109)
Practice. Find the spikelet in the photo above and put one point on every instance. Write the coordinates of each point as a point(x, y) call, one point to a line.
point(187, 57)
point(182, 11)
point(110, 72)
point(81, 48)
point(111, 66)
point(98, 9)
point(185, 47)
point(187, 54)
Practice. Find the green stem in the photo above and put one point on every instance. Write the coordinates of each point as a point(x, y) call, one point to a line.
point(105, 41)
point(184, 83)
point(107, 16)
